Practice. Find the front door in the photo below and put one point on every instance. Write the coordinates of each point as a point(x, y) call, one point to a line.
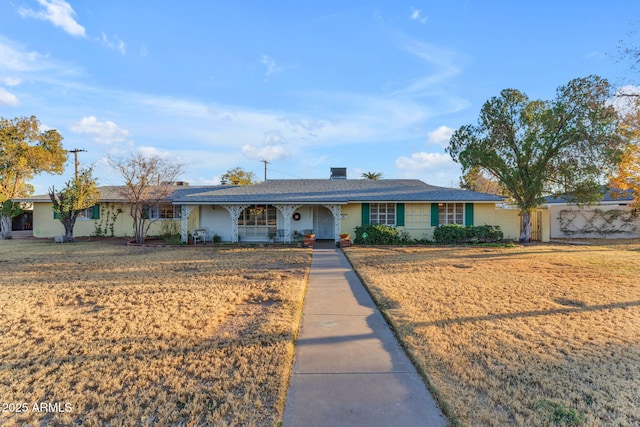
point(324, 223)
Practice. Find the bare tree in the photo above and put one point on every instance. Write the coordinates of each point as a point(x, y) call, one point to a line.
point(149, 183)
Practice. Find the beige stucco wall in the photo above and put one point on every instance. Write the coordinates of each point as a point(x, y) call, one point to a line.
point(507, 219)
point(418, 219)
point(546, 225)
point(46, 226)
point(350, 218)
point(586, 218)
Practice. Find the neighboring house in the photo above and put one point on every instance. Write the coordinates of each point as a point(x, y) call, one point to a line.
point(613, 217)
point(283, 207)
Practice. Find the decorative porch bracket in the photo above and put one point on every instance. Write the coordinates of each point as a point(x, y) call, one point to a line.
point(234, 212)
point(185, 211)
point(287, 212)
point(336, 211)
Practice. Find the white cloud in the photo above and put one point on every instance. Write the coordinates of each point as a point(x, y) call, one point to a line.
point(445, 66)
point(7, 98)
point(149, 151)
point(13, 59)
point(416, 15)
point(432, 168)
point(274, 138)
point(59, 13)
point(271, 66)
point(425, 161)
point(113, 43)
point(33, 66)
point(271, 149)
point(265, 152)
point(440, 136)
point(11, 81)
point(310, 127)
point(105, 133)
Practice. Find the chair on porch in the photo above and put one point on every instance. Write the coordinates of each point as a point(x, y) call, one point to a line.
point(199, 234)
point(279, 235)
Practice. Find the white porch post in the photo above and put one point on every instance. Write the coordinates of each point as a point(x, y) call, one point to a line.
point(336, 211)
point(234, 212)
point(185, 211)
point(287, 211)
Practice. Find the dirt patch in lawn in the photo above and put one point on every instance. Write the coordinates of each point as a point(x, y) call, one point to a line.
point(100, 334)
point(535, 335)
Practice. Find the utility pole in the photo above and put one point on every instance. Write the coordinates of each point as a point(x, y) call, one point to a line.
point(75, 154)
point(265, 168)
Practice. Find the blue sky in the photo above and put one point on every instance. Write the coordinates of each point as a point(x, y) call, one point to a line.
point(368, 85)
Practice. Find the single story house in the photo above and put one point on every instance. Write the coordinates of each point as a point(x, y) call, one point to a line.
point(329, 207)
point(280, 208)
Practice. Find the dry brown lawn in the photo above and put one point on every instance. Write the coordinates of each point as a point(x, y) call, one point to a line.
point(528, 336)
point(95, 333)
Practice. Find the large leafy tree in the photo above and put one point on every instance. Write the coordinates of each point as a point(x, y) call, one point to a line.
point(149, 183)
point(78, 194)
point(536, 148)
point(238, 176)
point(627, 176)
point(25, 151)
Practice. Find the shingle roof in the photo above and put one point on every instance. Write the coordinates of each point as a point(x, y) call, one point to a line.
point(315, 191)
point(308, 191)
point(108, 193)
point(611, 195)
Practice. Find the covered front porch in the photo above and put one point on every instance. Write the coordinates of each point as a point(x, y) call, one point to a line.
point(260, 222)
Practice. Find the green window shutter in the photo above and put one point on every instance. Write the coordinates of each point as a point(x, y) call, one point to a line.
point(468, 214)
point(365, 214)
point(400, 214)
point(56, 215)
point(435, 215)
point(95, 212)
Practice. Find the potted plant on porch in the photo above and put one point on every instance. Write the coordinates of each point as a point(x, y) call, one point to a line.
point(345, 240)
point(309, 238)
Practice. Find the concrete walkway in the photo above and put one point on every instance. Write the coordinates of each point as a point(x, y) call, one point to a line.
point(349, 369)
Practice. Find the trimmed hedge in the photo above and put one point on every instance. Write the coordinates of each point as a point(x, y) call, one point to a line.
point(380, 235)
point(450, 234)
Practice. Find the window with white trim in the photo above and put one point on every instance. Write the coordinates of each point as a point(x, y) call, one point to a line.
point(164, 211)
point(382, 213)
point(255, 222)
point(86, 213)
point(451, 213)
